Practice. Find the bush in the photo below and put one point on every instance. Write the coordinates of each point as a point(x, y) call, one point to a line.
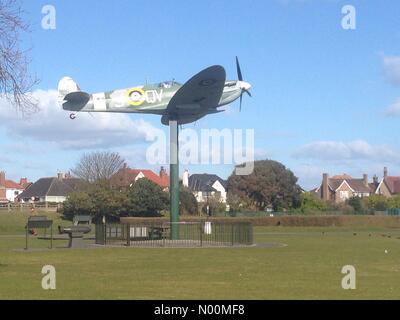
point(188, 202)
point(356, 203)
point(78, 203)
point(393, 203)
point(215, 206)
point(144, 198)
point(310, 204)
point(376, 202)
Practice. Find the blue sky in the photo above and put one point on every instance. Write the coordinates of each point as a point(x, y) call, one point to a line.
point(325, 99)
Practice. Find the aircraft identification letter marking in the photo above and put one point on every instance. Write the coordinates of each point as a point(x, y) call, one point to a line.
point(99, 102)
point(137, 96)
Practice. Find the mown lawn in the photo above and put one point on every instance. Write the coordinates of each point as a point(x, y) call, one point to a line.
point(307, 267)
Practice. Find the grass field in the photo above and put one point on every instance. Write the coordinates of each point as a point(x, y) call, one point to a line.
point(307, 267)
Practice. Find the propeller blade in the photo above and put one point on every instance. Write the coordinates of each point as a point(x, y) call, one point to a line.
point(239, 72)
point(240, 107)
point(248, 92)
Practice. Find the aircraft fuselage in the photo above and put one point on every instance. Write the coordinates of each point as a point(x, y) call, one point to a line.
point(150, 99)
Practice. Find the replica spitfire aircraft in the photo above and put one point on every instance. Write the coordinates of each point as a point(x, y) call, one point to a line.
point(201, 95)
point(177, 104)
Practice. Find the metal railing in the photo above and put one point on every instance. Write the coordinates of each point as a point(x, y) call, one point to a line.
point(393, 212)
point(190, 234)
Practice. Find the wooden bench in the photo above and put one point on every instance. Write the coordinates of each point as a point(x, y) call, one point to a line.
point(38, 222)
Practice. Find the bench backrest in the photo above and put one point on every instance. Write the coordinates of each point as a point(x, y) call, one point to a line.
point(82, 219)
point(39, 222)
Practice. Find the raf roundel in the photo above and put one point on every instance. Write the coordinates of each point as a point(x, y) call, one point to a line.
point(135, 96)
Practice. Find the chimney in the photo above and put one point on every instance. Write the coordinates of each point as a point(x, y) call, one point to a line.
point(385, 172)
point(163, 173)
point(185, 179)
point(365, 179)
point(325, 188)
point(2, 179)
point(60, 176)
point(23, 182)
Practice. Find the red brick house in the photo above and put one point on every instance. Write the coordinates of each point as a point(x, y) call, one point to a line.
point(10, 190)
point(342, 187)
point(125, 177)
point(389, 186)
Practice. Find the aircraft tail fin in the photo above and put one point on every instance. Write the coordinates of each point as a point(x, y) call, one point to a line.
point(67, 85)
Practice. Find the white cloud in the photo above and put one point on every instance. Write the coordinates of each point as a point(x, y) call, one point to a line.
point(358, 149)
point(391, 69)
point(309, 175)
point(52, 125)
point(394, 109)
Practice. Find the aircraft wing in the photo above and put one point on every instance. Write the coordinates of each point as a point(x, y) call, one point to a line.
point(197, 97)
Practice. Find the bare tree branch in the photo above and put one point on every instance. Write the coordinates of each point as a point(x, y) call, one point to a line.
point(15, 80)
point(97, 166)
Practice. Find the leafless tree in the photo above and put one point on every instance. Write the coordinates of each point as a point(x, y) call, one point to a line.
point(97, 166)
point(15, 80)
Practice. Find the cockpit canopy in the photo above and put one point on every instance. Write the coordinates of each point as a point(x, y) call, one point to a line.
point(168, 84)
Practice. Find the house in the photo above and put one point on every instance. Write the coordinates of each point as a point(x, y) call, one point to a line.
point(126, 176)
point(206, 185)
point(342, 187)
point(9, 190)
point(3, 192)
point(389, 186)
point(52, 189)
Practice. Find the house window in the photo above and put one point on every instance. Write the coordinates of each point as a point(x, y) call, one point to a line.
point(361, 194)
point(344, 195)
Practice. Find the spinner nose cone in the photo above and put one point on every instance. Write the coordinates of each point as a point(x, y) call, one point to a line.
point(245, 85)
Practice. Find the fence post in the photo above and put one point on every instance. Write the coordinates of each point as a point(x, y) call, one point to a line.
point(26, 237)
point(201, 233)
point(232, 234)
point(128, 234)
point(20, 207)
point(9, 207)
point(105, 233)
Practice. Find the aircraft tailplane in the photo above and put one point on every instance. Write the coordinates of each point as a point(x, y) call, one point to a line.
point(75, 101)
point(70, 96)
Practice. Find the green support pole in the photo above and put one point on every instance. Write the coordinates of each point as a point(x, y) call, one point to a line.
point(174, 178)
point(26, 237)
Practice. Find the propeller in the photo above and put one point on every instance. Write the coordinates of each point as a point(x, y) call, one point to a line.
point(244, 85)
point(239, 71)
